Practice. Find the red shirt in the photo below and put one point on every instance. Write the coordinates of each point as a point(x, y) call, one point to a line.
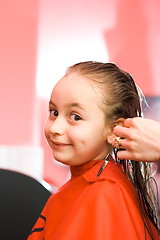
point(88, 207)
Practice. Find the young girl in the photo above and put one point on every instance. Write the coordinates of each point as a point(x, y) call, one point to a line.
point(105, 199)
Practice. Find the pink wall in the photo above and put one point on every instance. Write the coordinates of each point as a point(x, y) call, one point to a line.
point(18, 49)
point(133, 42)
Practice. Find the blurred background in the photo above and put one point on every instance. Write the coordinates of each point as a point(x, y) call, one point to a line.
point(39, 39)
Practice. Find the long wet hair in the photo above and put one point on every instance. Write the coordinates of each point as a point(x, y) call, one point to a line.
point(121, 98)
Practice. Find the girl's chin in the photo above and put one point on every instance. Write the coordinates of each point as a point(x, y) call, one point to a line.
point(69, 163)
point(62, 160)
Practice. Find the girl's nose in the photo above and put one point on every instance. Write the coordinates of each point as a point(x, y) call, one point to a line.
point(57, 127)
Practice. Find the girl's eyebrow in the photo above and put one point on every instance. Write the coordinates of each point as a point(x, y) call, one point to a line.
point(69, 105)
point(76, 105)
point(51, 103)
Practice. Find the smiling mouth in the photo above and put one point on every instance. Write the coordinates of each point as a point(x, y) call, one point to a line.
point(60, 145)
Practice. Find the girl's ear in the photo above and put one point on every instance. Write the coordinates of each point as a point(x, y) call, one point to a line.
point(111, 135)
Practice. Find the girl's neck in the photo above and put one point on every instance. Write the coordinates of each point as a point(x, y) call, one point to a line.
point(81, 169)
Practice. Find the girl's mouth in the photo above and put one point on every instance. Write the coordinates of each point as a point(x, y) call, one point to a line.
point(60, 144)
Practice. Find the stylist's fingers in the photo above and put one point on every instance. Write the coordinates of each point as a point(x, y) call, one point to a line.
point(128, 122)
point(126, 149)
point(124, 154)
point(121, 131)
point(117, 142)
point(129, 154)
point(122, 143)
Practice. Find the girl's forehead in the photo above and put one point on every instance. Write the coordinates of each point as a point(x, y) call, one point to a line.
point(74, 86)
point(73, 82)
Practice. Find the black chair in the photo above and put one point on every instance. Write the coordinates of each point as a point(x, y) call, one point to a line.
point(22, 199)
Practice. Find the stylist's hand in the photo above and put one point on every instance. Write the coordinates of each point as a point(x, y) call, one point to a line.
point(141, 139)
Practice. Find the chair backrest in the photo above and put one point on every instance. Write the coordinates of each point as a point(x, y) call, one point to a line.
point(22, 199)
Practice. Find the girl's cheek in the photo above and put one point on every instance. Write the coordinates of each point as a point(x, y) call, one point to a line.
point(72, 133)
point(76, 133)
point(46, 130)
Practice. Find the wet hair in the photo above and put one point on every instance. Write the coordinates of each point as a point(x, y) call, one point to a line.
point(121, 98)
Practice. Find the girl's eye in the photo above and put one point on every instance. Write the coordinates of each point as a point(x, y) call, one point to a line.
point(75, 117)
point(53, 112)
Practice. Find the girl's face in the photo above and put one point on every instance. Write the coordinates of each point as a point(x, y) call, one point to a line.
point(76, 129)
